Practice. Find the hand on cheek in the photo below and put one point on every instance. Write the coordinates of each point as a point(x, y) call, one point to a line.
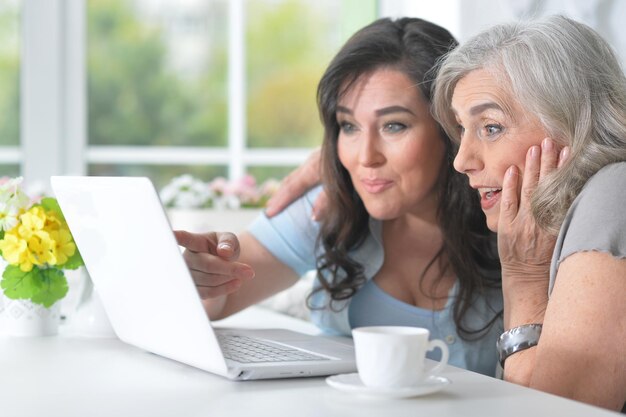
point(525, 249)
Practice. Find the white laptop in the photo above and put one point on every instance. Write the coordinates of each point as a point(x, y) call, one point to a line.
point(132, 256)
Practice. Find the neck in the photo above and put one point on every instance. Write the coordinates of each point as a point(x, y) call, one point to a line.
point(420, 234)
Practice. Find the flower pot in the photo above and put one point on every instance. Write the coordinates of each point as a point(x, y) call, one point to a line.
point(26, 319)
point(89, 318)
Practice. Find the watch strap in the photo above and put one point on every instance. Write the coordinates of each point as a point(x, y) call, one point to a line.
point(517, 339)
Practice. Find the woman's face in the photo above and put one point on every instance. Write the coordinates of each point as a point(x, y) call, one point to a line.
point(390, 145)
point(496, 133)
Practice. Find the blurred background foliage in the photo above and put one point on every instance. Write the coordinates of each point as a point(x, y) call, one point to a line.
point(145, 87)
point(9, 75)
point(136, 97)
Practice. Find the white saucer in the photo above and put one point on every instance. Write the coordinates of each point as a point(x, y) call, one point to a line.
point(352, 383)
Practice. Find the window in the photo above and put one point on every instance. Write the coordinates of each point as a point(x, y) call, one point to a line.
point(208, 87)
point(9, 86)
point(207, 81)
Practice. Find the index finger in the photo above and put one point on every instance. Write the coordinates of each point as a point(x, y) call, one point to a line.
point(223, 244)
point(196, 242)
point(532, 170)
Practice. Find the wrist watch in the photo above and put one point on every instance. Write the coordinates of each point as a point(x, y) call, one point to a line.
point(517, 339)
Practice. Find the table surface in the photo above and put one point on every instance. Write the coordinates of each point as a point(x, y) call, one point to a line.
point(69, 375)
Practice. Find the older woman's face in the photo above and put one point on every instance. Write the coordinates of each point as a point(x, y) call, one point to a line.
point(496, 133)
point(390, 145)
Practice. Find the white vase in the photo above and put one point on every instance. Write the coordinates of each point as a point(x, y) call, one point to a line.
point(90, 319)
point(26, 319)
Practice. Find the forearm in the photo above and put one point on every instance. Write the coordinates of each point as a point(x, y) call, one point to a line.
point(580, 354)
point(525, 302)
point(271, 276)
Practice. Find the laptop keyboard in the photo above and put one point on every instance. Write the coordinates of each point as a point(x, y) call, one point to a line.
point(248, 350)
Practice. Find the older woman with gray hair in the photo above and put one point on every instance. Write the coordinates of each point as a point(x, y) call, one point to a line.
point(539, 110)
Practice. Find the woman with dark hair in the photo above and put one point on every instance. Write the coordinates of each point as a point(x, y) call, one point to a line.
point(404, 241)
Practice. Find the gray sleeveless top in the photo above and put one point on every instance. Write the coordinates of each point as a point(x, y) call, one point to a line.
point(596, 221)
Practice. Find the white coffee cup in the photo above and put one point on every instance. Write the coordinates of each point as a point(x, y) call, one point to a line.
point(394, 356)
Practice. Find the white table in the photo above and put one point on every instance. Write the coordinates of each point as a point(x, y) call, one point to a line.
point(73, 376)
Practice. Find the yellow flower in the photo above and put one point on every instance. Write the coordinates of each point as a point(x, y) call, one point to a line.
point(42, 249)
point(14, 249)
point(32, 221)
point(64, 245)
point(53, 223)
point(35, 240)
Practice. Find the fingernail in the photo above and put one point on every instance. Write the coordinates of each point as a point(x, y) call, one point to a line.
point(547, 144)
point(225, 246)
point(534, 151)
point(564, 154)
point(245, 272)
point(510, 172)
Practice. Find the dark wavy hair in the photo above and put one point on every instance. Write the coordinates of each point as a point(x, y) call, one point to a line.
point(415, 47)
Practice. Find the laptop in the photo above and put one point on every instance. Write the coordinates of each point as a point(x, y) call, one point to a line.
point(132, 256)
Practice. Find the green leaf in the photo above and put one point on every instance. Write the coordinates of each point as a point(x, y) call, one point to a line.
point(54, 287)
point(18, 284)
point(51, 204)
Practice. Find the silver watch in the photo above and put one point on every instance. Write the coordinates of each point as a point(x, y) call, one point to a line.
point(516, 339)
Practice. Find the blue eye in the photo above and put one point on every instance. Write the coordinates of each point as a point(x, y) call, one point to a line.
point(394, 127)
point(346, 127)
point(492, 129)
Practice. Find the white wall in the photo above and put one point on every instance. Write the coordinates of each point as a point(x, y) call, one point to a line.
point(465, 18)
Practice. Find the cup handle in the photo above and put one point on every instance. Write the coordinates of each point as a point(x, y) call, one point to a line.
point(437, 343)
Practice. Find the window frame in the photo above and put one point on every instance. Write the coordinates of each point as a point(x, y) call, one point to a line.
point(54, 103)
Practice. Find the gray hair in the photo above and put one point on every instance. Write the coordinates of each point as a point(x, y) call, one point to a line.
point(564, 73)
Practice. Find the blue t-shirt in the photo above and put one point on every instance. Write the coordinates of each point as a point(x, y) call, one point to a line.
point(291, 237)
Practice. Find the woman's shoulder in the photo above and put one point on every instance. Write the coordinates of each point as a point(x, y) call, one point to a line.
point(595, 221)
point(609, 177)
point(604, 191)
point(590, 208)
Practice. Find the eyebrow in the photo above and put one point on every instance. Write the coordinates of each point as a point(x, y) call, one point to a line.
point(380, 112)
point(479, 108)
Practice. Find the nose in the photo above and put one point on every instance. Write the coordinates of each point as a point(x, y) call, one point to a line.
point(468, 159)
point(370, 152)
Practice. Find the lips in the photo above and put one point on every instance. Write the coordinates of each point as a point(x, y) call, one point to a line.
point(489, 196)
point(376, 185)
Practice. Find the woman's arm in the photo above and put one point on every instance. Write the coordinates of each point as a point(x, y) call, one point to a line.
point(582, 350)
point(525, 252)
point(232, 273)
point(581, 353)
